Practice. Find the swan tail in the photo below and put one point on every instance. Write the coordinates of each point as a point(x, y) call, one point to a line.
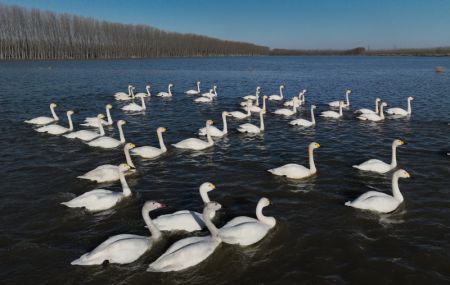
point(356, 166)
point(348, 203)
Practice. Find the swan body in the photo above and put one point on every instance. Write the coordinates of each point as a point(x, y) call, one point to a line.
point(288, 112)
point(246, 231)
point(368, 111)
point(124, 248)
point(253, 97)
point(257, 109)
point(133, 107)
point(194, 92)
point(346, 104)
point(374, 117)
point(333, 114)
point(277, 97)
point(166, 94)
point(190, 251)
point(301, 99)
point(204, 99)
point(144, 94)
point(252, 129)
point(110, 172)
point(215, 132)
point(101, 199)
point(400, 111)
point(381, 202)
point(45, 120)
point(122, 96)
point(240, 115)
point(186, 220)
point(296, 171)
point(303, 122)
point(211, 93)
point(379, 166)
point(85, 135)
point(57, 129)
point(150, 151)
point(197, 144)
point(109, 142)
point(93, 121)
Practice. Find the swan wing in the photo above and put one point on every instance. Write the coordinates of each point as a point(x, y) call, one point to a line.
point(374, 165)
point(105, 142)
point(378, 203)
point(132, 107)
point(239, 220)
point(180, 221)
point(82, 135)
point(330, 114)
point(301, 122)
point(244, 234)
point(147, 151)
point(370, 117)
point(53, 129)
point(238, 114)
point(365, 111)
point(103, 173)
point(334, 104)
point(285, 112)
point(396, 111)
point(291, 170)
point(248, 128)
point(40, 121)
point(213, 131)
point(192, 143)
point(95, 200)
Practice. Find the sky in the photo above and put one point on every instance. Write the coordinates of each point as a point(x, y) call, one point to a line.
point(297, 24)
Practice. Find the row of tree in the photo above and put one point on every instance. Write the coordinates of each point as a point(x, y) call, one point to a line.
point(35, 34)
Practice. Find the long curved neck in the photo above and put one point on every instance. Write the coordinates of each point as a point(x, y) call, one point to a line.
point(148, 91)
point(340, 110)
point(208, 135)
point(376, 106)
point(281, 92)
point(264, 104)
point(313, 120)
point(270, 221)
point(132, 93)
point(100, 127)
point(257, 98)
point(394, 156)
point(225, 127)
point(409, 106)
point(395, 190)
point(381, 111)
point(347, 99)
point(204, 196)
point(161, 142)
point(209, 224)
point(129, 91)
point(121, 135)
point(261, 121)
point(312, 165)
point(215, 90)
point(143, 103)
point(198, 87)
point(69, 117)
point(248, 110)
point(156, 233)
point(125, 189)
point(52, 109)
point(168, 88)
point(126, 151)
point(294, 106)
point(108, 115)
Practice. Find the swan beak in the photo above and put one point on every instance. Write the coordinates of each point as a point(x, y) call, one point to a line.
point(213, 186)
point(162, 205)
point(132, 145)
point(164, 129)
point(317, 145)
point(407, 174)
point(402, 142)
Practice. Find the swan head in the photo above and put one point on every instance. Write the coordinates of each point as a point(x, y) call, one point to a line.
point(109, 106)
point(377, 100)
point(209, 122)
point(170, 85)
point(265, 97)
point(147, 86)
point(384, 104)
point(70, 113)
point(124, 167)
point(314, 145)
point(313, 106)
point(161, 130)
point(100, 116)
point(121, 122)
point(225, 113)
point(410, 98)
point(402, 173)
point(304, 91)
point(153, 205)
point(262, 112)
point(198, 82)
point(207, 186)
point(282, 86)
point(348, 91)
point(129, 146)
point(264, 202)
point(258, 88)
point(53, 105)
point(212, 207)
point(398, 142)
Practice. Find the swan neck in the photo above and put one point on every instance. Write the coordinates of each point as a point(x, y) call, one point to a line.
point(394, 156)
point(347, 99)
point(143, 102)
point(257, 99)
point(208, 135)
point(170, 92)
point(125, 188)
point(312, 165)
point(198, 87)
point(55, 117)
point(126, 150)
point(381, 111)
point(108, 115)
point(121, 135)
point(161, 142)
point(148, 91)
point(100, 127)
point(395, 189)
point(207, 214)
point(270, 221)
point(281, 92)
point(69, 117)
point(132, 93)
point(225, 126)
point(264, 104)
point(156, 233)
point(409, 107)
point(204, 196)
point(340, 110)
point(313, 119)
point(261, 121)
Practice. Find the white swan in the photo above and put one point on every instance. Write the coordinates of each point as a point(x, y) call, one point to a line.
point(303, 122)
point(211, 93)
point(42, 120)
point(205, 99)
point(194, 92)
point(249, 102)
point(151, 151)
point(277, 97)
point(110, 172)
point(296, 171)
point(400, 111)
point(368, 111)
point(252, 129)
point(301, 99)
point(240, 115)
point(333, 114)
point(86, 135)
point(145, 94)
point(186, 220)
point(253, 97)
point(57, 129)
point(245, 230)
point(215, 132)
point(122, 96)
point(195, 143)
point(109, 142)
point(381, 202)
point(166, 94)
point(133, 107)
point(376, 165)
point(124, 248)
point(346, 104)
point(374, 117)
point(93, 121)
point(190, 251)
point(257, 109)
point(101, 199)
point(288, 112)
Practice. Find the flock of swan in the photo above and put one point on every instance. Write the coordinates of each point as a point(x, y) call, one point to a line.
point(242, 230)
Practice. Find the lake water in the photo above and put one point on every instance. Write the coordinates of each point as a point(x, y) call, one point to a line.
point(317, 239)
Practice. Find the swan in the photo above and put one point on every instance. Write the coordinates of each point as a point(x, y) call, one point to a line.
point(296, 171)
point(381, 202)
point(133, 107)
point(211, 93)
point(249, 102)
point(109, 172)
point(252, 129)
point(368, 111)
point(374, 117)
point(303, 122)
point(256, 109)
point(186, 220)
point(239, 114)
point(194, 92)
point(205, 99)
point(333, 114)
point(301, 100)
point(277, 97)
point(246, 231)
point(346, 104)
point(151, 151)
point(124, 248)
point(86, 135)
point(288, 112)
point(379, 166)
point(109, 142)
point(215, 132)
point(166, 94)
point(195, 143)
point(54, 129)
point(400, 111)
point(93, 121)
point(45, 120)
point(145, 94)
point(122, 96)
point(101, 199)
point(190, 251)
point(253, 97)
